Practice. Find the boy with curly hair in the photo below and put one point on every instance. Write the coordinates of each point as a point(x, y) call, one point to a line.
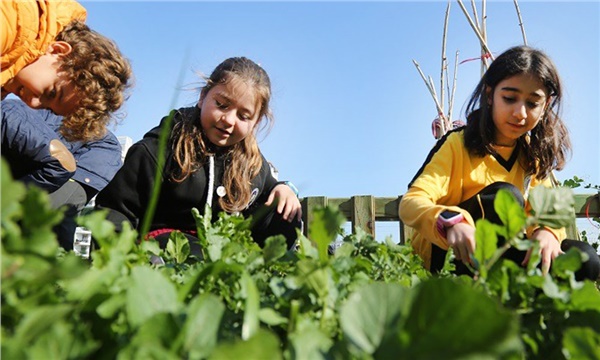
point(52, 60)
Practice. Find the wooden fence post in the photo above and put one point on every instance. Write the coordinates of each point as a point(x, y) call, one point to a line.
point(363, 214)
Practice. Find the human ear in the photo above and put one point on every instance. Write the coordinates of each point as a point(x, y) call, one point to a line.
point(488, 94)
point(59, 48)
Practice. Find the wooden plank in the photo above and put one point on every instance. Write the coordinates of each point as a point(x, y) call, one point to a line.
point(362, 209)
point(587, 203)
point(363, 214)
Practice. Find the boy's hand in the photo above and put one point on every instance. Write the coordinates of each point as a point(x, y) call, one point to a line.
point(461, 238)
point(288, 204)
point(549, 248)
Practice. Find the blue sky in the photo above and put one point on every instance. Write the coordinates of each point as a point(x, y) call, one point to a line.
point(352, 114)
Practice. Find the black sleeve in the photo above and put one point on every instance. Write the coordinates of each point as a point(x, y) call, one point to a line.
point(127, 195)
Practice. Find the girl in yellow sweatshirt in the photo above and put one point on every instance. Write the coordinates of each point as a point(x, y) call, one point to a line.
point(513, 139)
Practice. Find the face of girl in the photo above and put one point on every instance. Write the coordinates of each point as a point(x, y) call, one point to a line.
point(41, 84)
point(518, 104)
point(229, 113)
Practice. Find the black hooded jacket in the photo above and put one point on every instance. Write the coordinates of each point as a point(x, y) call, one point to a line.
point(128, 194)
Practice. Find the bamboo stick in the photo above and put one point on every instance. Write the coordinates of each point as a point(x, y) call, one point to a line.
point(451, 96)
point(521, 22)
point(476, 19)
point(444, 59)
point(477, 32)
point(430, 88)
point(484, 62)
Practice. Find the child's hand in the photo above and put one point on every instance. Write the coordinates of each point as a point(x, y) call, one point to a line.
point(288, 204)
point(461, 238)
point(549, 248)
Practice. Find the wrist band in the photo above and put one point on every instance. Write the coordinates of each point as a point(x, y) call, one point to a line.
point(290, 185)
point(447, 219)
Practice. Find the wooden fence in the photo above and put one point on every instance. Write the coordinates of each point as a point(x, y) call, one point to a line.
point(364, 210)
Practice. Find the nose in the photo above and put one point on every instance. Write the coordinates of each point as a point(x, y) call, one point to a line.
point(228, 118)
point(520, 112)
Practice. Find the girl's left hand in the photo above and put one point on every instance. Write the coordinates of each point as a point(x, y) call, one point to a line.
point(549, 249)
point(288, 204)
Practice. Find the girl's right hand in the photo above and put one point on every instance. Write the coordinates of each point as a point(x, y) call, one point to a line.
point(461, 238)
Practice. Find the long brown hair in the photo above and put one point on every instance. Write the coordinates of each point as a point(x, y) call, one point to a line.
point(191, 148)
point(548, 145)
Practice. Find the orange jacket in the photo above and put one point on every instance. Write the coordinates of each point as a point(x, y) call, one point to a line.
point(29, 27)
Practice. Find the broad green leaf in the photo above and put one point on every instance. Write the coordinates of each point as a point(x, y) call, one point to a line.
point(150, 293)
point(12, 194)
point(373, 313)
point(581, 343)
point(586, 298)
point(309, 342)
point(178, 247)
point(111, 306)
point(271, 317)
point(552, 207)
point(553, 291)
point(568, 262)
point(450, 320)
point(263, 345)
point(38, 321)
point(201, 328)
point(62, 341)
point(486, 240)
point(510, 212)
point(159, 329)
point(275, 248)
point(324, 228)
point(250, 291)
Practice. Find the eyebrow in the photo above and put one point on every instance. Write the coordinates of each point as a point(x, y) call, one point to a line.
point(508, 88)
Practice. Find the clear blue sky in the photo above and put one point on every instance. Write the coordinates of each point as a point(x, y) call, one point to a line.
point(353, 116)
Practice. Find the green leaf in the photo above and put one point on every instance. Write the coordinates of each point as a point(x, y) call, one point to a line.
point(552, 207)
point(275, 248)
point(250, 291)
point(263, 345)
point(310, 343)
point(324, 228)
point(586, 298)
point(450, 320)
point(271, 317)
point(201, 328)
point(111, 306)
point(568, 262)
point(38, 321)
point(510, 213)
point(487, 240)
point(178, 247)
point(373, 313)
point(12, 194)
point(150, 293)
point(581, 343)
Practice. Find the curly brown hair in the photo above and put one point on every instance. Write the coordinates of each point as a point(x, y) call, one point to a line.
point(100, 73)
point(191, 148)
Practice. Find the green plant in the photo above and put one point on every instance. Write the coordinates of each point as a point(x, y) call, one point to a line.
point(368, 300)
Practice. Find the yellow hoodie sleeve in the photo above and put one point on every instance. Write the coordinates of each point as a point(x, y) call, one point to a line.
point(435, 187)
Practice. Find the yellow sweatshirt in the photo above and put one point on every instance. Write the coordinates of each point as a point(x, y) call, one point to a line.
point(28, 27)
point(450, 176)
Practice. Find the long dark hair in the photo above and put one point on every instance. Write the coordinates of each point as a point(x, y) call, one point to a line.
point(190, 147)
point(548, 145)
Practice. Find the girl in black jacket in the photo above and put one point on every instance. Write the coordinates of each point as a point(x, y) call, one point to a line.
point(212, 158)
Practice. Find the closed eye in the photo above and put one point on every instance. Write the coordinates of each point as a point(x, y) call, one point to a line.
point(221, 105)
